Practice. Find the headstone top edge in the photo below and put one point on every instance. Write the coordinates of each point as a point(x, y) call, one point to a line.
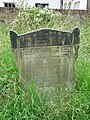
point(12, 31)
point(76, 30)
point(42, 29)
point(38, 30)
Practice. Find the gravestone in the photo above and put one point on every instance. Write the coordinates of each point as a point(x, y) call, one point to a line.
point(46, 55)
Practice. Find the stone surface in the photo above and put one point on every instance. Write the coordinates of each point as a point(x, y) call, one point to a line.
point(8, 14)
point(46, 56)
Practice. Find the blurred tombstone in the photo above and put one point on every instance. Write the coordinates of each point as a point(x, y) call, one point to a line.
point(46, 56)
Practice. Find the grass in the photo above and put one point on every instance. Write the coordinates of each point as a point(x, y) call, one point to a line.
point(20, 101)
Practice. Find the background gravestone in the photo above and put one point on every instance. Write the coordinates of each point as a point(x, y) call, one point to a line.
point(46, 55)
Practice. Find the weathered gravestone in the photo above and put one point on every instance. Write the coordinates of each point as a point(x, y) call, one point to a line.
point(47, 55)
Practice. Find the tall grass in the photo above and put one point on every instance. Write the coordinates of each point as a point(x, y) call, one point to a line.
point(20, 101)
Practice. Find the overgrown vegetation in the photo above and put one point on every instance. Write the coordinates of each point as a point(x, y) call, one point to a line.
point(24, 103)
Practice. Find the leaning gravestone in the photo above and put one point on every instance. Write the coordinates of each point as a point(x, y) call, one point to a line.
point(47, 55)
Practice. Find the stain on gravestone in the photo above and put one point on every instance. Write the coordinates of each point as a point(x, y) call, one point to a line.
point(46, 54)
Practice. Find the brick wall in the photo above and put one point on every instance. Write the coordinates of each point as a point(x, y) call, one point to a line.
point(88, 5)
point(8, 14)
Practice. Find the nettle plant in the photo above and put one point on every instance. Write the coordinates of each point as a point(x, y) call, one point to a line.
point(33, 18)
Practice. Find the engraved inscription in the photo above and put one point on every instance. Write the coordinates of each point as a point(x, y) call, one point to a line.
point(47, 37)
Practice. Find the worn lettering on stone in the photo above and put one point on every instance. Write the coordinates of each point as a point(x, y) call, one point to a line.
point(46, 54)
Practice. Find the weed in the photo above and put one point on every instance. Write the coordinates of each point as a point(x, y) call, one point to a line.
point(20, 101)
